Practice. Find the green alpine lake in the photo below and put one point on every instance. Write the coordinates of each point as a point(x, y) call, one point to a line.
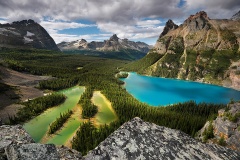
point(38, 126)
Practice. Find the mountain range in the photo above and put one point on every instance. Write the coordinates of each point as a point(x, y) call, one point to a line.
point(112, 44)
point(26, 34)
point(200, 49)
point(114, 47)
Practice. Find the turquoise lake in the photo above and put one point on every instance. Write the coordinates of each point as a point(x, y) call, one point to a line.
point(157, 91)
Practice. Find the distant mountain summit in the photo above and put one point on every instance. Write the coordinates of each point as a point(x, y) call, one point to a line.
point(112, 44)
point(236, 16)
point(25, 34)
point(200, 49)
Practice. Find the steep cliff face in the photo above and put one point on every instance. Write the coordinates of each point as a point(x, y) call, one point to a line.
point(225, 128)
point(201, 49)
point(25, 34)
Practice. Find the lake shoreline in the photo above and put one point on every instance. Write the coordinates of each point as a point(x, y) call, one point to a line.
point(178, 90)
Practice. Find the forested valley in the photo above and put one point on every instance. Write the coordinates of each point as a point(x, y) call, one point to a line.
point(99, 74)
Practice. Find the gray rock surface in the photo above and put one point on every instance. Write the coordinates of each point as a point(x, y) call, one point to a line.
point(198, 21)
point(142, 140)
point(12, 135)
point(16, 143)
point(68, 154)
point(224, 127)
point(33, 151)
point(229, 129)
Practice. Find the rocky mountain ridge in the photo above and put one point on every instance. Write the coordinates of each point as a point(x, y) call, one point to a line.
point(200, 49)
point(236, 16)
point(135, 139)
point(112, 44)
point(25, 34)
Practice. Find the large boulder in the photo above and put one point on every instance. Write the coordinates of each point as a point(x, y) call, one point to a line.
point(142, 140)
point(17, 144)
point(32, 151)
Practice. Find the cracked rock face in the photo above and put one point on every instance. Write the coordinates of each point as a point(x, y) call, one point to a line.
point(142, 140)
point(12, 135)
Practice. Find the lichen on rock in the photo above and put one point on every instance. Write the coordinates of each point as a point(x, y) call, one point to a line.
point(137, 139)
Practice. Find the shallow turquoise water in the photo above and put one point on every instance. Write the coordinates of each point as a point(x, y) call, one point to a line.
point(163, 91)
point(38, 126)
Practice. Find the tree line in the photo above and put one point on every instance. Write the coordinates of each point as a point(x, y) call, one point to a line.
point(58, 123)
point(88, 108)
point(36, 106)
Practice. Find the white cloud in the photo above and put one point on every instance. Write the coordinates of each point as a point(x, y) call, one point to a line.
point(90, 37)
point(54, 26)
point(130, 31)
point(148, 23)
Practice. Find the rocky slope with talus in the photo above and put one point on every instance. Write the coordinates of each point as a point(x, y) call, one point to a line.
point(200, 49)
point(25, 34)
point(225, 129)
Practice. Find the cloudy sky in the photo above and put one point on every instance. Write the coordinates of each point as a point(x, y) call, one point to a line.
point(137, 20)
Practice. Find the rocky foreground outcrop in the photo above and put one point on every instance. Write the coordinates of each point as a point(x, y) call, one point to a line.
point(16, 144)
point(135, 139)
point(142, 140)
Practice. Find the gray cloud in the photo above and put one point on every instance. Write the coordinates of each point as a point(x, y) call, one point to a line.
point(215, 8)
point(123, 11)
point(128, 18)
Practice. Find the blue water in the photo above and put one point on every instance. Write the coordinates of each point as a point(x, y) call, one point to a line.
point(162, 91)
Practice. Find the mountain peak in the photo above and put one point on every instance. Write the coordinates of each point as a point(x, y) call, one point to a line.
point(26, 34)
point(30, 21)
point(198, 21)
point(114, 37)
point(201, 14)
point(170, 25)
point(83, 41)
point(236, 16)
